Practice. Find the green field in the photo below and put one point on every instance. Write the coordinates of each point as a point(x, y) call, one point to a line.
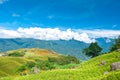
point(89, 70)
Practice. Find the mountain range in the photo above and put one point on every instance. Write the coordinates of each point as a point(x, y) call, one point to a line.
point(66, 47)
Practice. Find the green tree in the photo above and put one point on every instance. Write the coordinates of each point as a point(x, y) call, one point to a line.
point(116, 45)
point(93, 50)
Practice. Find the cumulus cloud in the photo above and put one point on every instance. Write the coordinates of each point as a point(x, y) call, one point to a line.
point(86, 36)
point(2, 1)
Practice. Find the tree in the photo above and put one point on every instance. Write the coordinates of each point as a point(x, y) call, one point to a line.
point(116, 45)
point(93, 50)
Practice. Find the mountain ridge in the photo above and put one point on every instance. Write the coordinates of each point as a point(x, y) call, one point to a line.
point(65, 47)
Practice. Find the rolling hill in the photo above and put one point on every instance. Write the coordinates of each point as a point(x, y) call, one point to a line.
point(34, 52)
point(89, 70)
point(9, 64)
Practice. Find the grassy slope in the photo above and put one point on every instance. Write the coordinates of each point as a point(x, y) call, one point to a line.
point(9, 64)
point(36, 52)
point(89, 70)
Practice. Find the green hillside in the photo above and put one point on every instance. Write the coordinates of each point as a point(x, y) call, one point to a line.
point(25, 60)
point(9, 64)
point(33, 53)
point(89, 70)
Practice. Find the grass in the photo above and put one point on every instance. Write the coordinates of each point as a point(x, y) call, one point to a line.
point(67, 66)
point(9, 64)
point(89, 70)
point(115, 75)
point(36, 53)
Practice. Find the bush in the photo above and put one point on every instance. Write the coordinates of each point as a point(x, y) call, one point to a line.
point(17, 54)
point(45, 65)
point(30, 64)
point(63, 60)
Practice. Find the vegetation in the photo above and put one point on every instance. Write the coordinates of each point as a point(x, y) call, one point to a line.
point(89, 70)
point(51, 63)
point(17, 54)
point(23, 61)
point(116, 45)
point(8, 65)
point(63, 60)
point(59, 67)
point(93, 50)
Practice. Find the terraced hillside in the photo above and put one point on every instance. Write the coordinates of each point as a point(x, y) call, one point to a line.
point(8, 64)
point(89, 70)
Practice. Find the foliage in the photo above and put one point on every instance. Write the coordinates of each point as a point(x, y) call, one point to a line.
point(67, 66)
point(63, 60)
point(30, 64)
point(73, 59)
point(93, 50)
point(17, 54)
point(25, 68)
point(51, 63)
point(116, 45)
point(21, 68)
point(89, 70)
point(44, 65)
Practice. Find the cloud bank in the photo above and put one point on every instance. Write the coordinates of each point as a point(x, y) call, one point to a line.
point(86, 36)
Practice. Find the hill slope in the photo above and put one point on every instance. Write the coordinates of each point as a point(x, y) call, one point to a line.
point(90, 70)
point(34, 52)
point(9, 64)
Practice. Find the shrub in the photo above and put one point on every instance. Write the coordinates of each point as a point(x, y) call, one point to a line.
point(17, 54)
point(30, 64)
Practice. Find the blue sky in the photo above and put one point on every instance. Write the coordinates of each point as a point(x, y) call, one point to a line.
point(74, 14)
point(81, 20)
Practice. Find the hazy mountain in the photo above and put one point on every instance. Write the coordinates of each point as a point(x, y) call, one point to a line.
point(71, 47)
point(105, 43)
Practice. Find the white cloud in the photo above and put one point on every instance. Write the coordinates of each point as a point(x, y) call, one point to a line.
point(9, 34)
point(86, 36)
point(15, 15)
point(2, 1)
point(101, 33)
